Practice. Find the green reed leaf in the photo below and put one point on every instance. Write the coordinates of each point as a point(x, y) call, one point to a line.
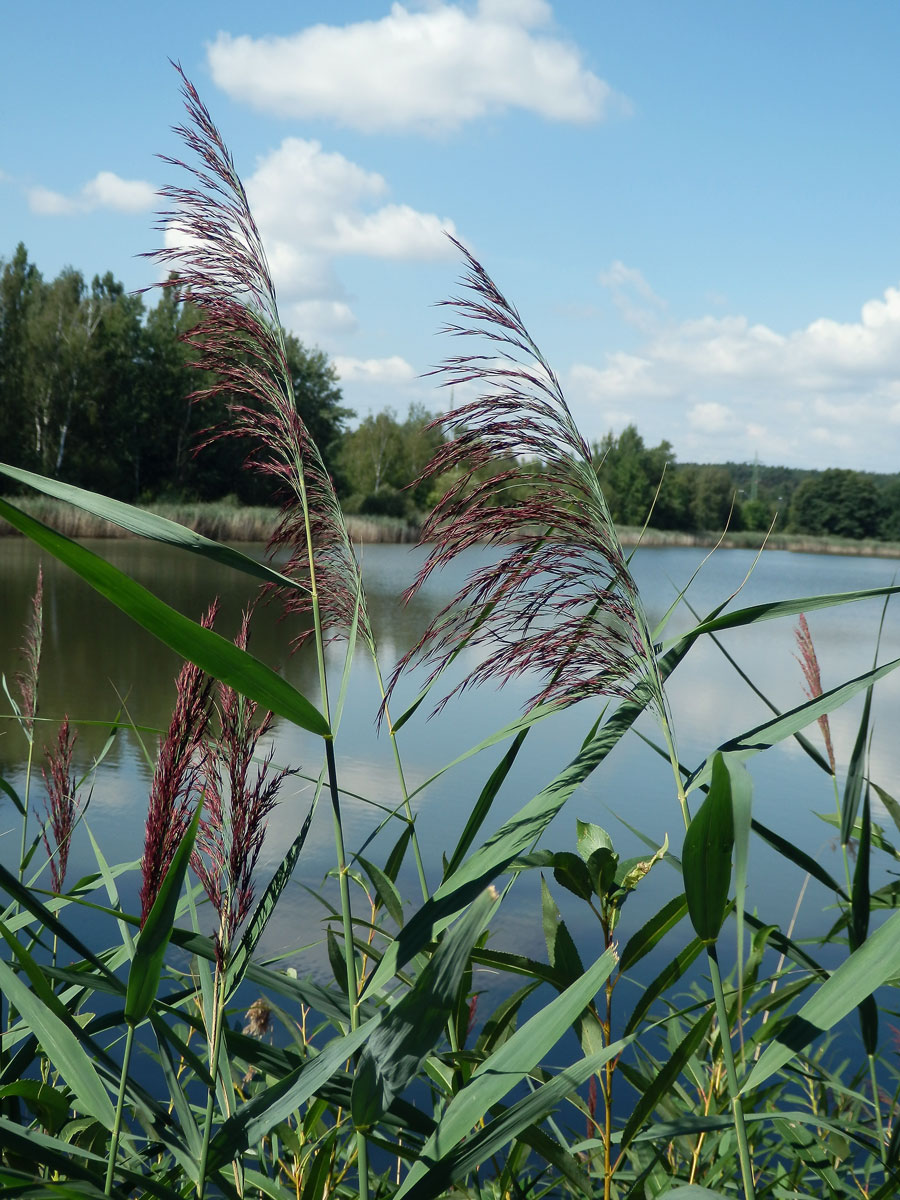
point(61, 1045)
point(385, 889)
point(778, 608)
point(397, 1049)
point(507, 1066)
point(867, 968)
point(770, 733)
point(255, 1119)
point(148, 525)
point(662, 1083)
point(435, 1172)
point(150, 950)
point(671, 973)
point(707, 853)
point(207, 649)
point(856, 772)
point(797, 856)
point(482, 805)
point(515, 837)
point(649, 935)
point(239, 960)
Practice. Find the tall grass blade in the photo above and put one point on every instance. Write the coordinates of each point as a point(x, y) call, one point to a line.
point(150, 951)
point(213, 654)
point(396, 1050)
point(706, 857)
point(453, 1164)
point(149, 525)
point(62, 1046)
point(515, 837)
point(508, 1065)
point(770, 733)
point(867, 968)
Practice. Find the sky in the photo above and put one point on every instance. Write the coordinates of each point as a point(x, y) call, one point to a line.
point(695, 208)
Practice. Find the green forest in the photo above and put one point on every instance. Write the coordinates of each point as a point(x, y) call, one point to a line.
point(96, 387)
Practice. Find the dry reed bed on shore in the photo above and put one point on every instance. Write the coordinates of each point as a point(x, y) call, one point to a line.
point(223, 522)
point(233, 523)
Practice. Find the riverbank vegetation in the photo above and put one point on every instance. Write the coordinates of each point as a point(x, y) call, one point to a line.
point(683, 1055)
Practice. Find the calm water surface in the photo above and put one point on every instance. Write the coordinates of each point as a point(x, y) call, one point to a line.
point(96, 664)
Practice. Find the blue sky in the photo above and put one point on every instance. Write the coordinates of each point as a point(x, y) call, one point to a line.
point(696, 208)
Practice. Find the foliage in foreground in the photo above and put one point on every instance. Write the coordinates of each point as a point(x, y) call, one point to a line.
point(396, 1081)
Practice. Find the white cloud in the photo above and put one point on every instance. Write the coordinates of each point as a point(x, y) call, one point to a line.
point(314, 207)
point(427, 71)
point(720, 387)
point(105, 191)
point(391, 371)
point(633, 296)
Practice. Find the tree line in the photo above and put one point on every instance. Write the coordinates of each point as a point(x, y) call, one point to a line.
point(95, 387)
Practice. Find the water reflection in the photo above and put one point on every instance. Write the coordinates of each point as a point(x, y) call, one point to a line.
point(96, 664)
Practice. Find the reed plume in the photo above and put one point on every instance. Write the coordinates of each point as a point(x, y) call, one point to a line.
point(63, 809)
point(809, 664)
point(178, 778)
point(27, 678)
point(561, 601)
point(220, 266)
point(236, 802)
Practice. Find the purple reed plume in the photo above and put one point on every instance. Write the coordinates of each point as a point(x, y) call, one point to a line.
point(27, 678)
point(220, 266)
point(64, 808)
point(178, 778)
point(237, 799)
point(809, 664)
point(561, 601)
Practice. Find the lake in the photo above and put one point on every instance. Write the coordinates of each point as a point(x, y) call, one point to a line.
point(96, 665)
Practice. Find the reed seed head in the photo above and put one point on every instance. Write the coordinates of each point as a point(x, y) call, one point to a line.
point(559, 602)
point(64, 808)
point(178, 777)
point(809, 664)
point(220, 266)
point(240, 790)
point(27, 678)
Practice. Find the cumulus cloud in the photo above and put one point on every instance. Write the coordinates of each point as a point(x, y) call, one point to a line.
point(427, 71)
point(392, 371)
point(314, 207)
point(721, 387)
point(106, 190)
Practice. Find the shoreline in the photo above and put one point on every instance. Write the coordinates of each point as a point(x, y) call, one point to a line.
point(230, 523)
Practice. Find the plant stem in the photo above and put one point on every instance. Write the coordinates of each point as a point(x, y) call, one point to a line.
point(731, 1074)
point(876, 1103)
point(417, 853)
point(28, 769)
point(120, 1104)
point(215, 1047)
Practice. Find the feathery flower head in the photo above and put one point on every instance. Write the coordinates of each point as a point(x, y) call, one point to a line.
point(178, 777)
point(64, 808)
point(561, 601)
point(27, 678)
point(220, 266)
point(237, 798)
point(809, 664)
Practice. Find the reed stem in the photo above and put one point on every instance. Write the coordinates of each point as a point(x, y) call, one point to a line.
point(740, 1128)
point(120, 1105)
